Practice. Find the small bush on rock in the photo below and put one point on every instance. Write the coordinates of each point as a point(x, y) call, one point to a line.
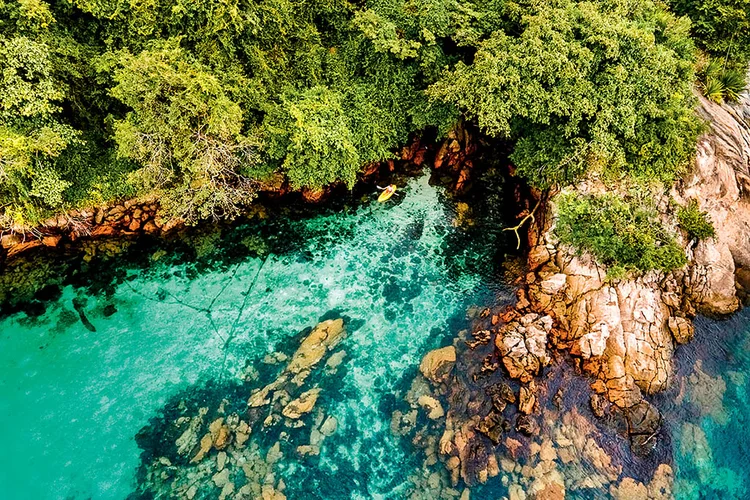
point(695, 223)
point(624, 234)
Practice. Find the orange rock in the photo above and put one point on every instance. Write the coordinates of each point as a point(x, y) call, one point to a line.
point(22, 247)
point(150, 227)
point(51, 241)
point(552, 491)
point(513, 446)
point(463, 177)
point(10, 240)
point(313, 195)
point(222, 438)
point(598, 386)
point(103, 231)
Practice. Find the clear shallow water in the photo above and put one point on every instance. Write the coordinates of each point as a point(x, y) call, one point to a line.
point(711, 420)
point(73, 399)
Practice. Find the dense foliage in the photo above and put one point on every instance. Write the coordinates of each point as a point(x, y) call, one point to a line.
point(582, 84)
point(203, 102)
point(694, 222)
point(721, 27)
point(625, 234)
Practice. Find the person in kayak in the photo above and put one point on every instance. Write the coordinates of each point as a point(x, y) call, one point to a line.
point(388, 191)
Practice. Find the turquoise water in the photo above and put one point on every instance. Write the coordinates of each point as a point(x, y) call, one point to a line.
point(93, 378)
point(711, 420)
point(80, 381)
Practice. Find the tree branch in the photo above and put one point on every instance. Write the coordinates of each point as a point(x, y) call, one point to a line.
point(518, 226)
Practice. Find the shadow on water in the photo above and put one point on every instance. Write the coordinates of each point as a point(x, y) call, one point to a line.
point(707, 410)
point(96, 290)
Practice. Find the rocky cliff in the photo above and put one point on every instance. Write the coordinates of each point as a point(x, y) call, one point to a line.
point(573, 326)
point(623, 332)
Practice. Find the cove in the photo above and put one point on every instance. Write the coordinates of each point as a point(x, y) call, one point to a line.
point(81, 380)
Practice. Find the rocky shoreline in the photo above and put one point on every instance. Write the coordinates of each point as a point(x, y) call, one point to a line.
point(546, 394)
point(617, 335)
point(130, 219)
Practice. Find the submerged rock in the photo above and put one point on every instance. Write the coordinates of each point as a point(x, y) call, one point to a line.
point(304, 404)
point(437, 364)
point(432, 406)
point(324, 337)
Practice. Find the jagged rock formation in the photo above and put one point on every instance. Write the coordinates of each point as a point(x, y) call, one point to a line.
point(624, 332)
point(621, 334)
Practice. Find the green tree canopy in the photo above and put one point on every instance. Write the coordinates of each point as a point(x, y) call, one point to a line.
point(584, 84)
point(199, 102)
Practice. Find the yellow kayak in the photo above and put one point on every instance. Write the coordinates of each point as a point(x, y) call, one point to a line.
point(387, 193)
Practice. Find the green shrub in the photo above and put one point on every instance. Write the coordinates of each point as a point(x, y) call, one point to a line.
point(720, 80)
point(721, 27)
point(623, 234)
point(695, 223)
point(713, 89)
point(734, 83)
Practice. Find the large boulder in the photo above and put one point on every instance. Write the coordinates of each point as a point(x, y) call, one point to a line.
point(437, 364)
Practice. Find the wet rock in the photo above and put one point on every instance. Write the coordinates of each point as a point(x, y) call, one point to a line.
point(598, 404)
point(51, 241)
point(242, 433)
point(335, 360)
point(324, 337)
point(274, 454)
point(308, 450)
point(270, 493)
point(492, 427)
point(707, 393)
point(313, 195)
point(660, 487)
point(629, 489)
point(432, 406)
point(302, 405)
point(644, 422)
point(682, 330)
point(329, 426)
point(222, 438)
point(189, 438)
point(515, 492)
point(220, 479)
point(547, 451)
point(527, 425)
point(526, 398)
point(205, 446)
point(437, 365)
point(402, 424)
point(551, 491)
